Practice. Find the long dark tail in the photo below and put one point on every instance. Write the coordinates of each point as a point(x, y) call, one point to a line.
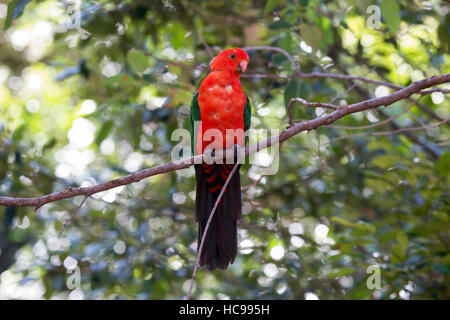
point(220, 245)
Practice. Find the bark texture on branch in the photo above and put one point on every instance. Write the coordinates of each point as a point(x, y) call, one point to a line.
point(341, 111)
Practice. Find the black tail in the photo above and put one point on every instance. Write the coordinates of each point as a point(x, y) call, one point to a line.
point(220, 245)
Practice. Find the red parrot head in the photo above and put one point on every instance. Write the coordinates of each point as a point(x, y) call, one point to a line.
point(234, 60)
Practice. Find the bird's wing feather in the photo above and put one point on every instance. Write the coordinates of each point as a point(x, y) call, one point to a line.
point(247, 117)
point(194, 116)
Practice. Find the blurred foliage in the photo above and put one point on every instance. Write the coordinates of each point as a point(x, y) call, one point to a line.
point(84, 104)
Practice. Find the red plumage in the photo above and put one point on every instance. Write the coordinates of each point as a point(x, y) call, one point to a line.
point(221, 102)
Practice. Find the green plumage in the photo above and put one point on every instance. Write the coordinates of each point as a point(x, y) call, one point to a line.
point(247, 117)
point(194, 116)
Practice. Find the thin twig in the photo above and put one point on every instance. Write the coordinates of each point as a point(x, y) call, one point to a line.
point(434, 152)
point(350, 88)
point(72, 216)
point(206, 45)
point(175, 63)
point(200, 248)
point(386, 133)
point(383, 133)
point(307, 104)
point(323, 75)
point(421, 106)
point(284, 52)
point(299, 74)
point(373, 125)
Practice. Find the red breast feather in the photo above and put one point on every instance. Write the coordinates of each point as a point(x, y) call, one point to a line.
point(221, 98)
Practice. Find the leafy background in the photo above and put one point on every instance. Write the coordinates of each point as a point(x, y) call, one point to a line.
point(79, 107)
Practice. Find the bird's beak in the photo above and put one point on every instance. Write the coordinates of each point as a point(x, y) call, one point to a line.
point(242, 66)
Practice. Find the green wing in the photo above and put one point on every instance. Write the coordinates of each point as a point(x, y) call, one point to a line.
point(194, 116)
point(247, 117)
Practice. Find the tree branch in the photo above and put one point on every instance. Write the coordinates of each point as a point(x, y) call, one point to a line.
point(327, 119)
point(363, 61)
point(316, 75)
point(387, 133)
point(377, 124)
point(299, 74)
point(307, 104)
point(287, 55)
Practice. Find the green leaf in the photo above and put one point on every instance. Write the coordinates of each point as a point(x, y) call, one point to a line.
point(441, 268)
point(137, 60)
point(324, 25)
point(312, 35)
point(305, 90)
point(446, 260)
point(443, 164)
point(286, 42)
point(18, 133)
point(397, 254)
point(441, 216)
point(15, 10)
point(391, 14)
point(291, 91)
point(270, 5)
point(279, 25)
point(444, 33)
point(364, 226)
point(388, 236)
point(104, 131)
point(50, 144)
point(9, 15)
point(385, 161)
point(340, 272)
point(402, 240)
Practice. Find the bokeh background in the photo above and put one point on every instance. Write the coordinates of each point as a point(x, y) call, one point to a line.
point(80, 105)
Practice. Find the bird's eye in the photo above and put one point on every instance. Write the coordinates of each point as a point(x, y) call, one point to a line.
point(232, 56)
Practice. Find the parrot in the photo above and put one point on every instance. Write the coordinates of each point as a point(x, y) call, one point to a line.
point(220, 104)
